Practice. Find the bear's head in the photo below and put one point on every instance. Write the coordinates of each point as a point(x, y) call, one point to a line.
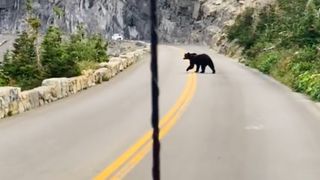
point(189, 55)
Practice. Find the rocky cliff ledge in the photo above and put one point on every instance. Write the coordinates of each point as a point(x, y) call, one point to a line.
point(128, 17)
point(195, 21)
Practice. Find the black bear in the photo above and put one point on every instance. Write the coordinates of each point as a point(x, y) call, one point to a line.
point(200, 60)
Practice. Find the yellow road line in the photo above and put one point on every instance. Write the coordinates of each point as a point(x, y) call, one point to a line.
point(128, 160)
point(134, 161)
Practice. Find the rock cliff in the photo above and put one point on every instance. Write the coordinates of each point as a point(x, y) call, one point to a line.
point(195, 21)
point(128, 17)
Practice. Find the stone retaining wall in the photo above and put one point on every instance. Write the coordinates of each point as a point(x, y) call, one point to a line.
point(14, 101)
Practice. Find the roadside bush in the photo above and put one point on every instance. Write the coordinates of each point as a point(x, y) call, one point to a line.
point(85, 65)
point(302, 82)
point(266, 26)
point(69, 58)
point(4, 80)
point(309, 84)
point(21, 66)
point(267, 61)
point(257, 49)
point(83, 48)
point(299, 68)
point(314, 89)
point(58, 58)
point(305, 60)
point(99, 48)
point(55, 59)
point(283, 40)
point(243, 29)
point(307, 54)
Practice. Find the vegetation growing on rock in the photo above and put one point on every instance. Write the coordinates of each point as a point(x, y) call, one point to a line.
point(283, 40)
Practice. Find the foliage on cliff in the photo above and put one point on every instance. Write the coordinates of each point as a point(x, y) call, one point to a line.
point(283, 40)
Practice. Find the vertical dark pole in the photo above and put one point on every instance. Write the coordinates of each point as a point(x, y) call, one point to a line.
point(155, 91)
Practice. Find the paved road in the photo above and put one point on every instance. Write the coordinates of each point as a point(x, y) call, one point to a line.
point(240, 125)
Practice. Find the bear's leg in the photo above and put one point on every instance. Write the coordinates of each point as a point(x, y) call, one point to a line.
point(190, 67)
point(198, 67)
point(203, 68)
point(211, 65)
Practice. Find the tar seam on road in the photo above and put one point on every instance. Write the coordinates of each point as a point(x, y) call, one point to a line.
point(128, 160)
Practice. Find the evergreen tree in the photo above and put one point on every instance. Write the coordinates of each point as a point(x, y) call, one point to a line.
point(84, 48)
point(100, 48)
point(21, 66)
point(55, 59)
point(34, 26)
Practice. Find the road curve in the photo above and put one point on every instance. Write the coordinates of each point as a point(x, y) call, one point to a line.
point(239, 125)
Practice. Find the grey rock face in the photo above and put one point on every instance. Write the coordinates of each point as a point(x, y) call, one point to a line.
point(10, 15)
point(128, 17)
point(194, 21)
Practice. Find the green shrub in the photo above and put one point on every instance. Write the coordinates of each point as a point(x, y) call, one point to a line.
point(85, 65)
point(283, 40)
point(308, 54)
point(69, 58)
point(4, 80)
point(83, 48)
point(21, 66)
point(25, 67)
point(257, 49)
point(305, 60)
point(310, 84)
point(302, 82)
point(267, 61)
point(99, 48)
point(55, 59)
point(301, 67)
point(266, 27)
point(243, 29)
point(314, 89)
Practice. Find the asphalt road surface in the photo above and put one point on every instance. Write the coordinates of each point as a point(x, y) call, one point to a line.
point(238, 125)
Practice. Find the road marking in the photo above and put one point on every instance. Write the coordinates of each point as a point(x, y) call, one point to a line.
point(128, 160)
point(254, 127)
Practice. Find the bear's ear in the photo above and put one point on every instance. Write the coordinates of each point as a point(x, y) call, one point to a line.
point(186, 55)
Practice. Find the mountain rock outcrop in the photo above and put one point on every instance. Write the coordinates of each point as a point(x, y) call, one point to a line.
point(128, 17)
point(194, 21)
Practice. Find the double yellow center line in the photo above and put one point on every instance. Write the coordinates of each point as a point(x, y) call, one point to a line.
point(128, 160)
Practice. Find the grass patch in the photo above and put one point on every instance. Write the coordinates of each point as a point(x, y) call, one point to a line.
point(86, 65)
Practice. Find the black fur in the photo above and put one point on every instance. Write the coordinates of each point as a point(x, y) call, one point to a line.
point(200, 60)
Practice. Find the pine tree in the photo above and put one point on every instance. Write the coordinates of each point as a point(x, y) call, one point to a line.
point(34, 26)
point(21, 66)
point(55, 59)
point(100, 48)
